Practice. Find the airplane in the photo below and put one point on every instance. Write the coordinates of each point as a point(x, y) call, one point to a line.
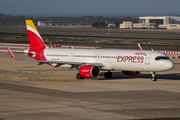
point(91, 61)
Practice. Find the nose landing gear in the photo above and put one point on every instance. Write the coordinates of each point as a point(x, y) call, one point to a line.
point(153, 76)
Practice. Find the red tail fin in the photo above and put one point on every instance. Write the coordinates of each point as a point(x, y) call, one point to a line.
point(35, 40)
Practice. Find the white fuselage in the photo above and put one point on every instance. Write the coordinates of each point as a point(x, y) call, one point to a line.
point(124, 60)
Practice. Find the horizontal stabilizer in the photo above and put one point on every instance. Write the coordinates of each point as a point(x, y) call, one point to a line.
point(12, 55)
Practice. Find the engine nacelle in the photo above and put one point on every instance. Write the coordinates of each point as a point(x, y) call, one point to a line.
point(89, 71)
point(132, 73)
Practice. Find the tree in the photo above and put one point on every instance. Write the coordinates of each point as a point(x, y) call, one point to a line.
point(99, 24)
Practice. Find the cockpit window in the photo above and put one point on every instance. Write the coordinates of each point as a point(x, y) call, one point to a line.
point(161, 58)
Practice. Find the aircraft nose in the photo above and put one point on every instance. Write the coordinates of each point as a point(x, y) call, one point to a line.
point(169, 65)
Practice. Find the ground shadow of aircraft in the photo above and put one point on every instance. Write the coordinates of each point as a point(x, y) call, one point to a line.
point(120, 75)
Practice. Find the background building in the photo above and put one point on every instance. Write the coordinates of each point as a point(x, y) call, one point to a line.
point(150, 22)
point(126, 24)
point(160, 21)
point(66, 23)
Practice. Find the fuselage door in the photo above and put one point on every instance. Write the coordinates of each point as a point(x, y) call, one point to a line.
point(147, 59)
point(41, 55)
point(71, 56)
point(97, 57)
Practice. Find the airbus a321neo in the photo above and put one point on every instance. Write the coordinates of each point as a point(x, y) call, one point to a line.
point(91, 61)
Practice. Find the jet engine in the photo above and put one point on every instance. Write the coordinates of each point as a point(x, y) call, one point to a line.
point(131, 73)
point(89, 71)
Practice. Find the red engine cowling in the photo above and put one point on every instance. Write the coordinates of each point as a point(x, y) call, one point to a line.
point(89, 71)
point(132, 73)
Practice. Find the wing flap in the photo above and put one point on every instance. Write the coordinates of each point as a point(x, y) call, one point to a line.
point(63, 62)
point(58, 62)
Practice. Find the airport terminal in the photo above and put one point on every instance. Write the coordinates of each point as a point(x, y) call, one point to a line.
point(164, 22)
point(150, 22)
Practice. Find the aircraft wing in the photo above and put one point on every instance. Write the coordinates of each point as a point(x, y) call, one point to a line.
point(57, 62)
point(63, 62)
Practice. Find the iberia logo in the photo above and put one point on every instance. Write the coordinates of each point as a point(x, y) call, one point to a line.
point(140, 53)
point(86, 70)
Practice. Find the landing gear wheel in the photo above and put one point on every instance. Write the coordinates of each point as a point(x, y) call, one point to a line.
point(154, 79)
point(153, 76)
point(78, 76)
point(108, 74)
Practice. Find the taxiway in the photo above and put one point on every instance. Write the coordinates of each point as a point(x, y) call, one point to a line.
point(32, 92)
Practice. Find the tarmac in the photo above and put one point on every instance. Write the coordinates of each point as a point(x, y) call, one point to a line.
point(32, 92)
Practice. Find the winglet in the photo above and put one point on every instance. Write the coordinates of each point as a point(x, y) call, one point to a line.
point(12, 55)
point(139, 46)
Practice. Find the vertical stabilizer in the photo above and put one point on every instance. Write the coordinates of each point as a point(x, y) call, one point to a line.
point(35, 40)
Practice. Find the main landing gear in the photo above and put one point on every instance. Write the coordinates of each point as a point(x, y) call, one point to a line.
point(153, 76)
point(108, 74)
point(78, 76)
